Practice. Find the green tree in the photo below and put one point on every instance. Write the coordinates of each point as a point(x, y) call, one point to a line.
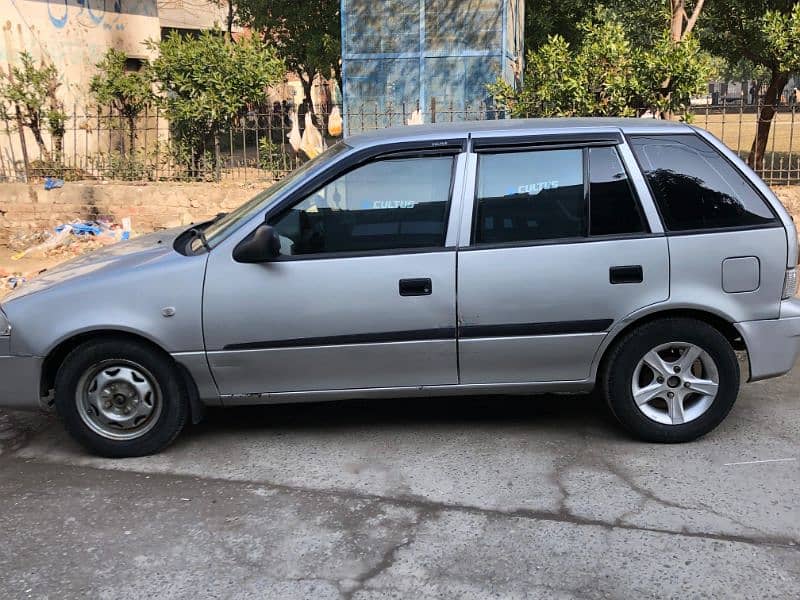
point(30, 90)
point(307, 34)
point(606, 74)
point(766, 33)
point(127, 92)
point(203, 82)
point(643, 20)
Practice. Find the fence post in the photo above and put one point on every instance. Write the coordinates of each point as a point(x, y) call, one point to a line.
point(791, 147)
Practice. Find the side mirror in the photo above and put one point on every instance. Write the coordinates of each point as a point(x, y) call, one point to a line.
point(263, 245)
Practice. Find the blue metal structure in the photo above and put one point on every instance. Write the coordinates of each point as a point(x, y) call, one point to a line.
point(435, 55)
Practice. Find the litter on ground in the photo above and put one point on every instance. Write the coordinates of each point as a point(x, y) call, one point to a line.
point(72, 239)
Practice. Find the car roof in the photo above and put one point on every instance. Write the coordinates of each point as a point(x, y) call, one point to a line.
point(510, 127)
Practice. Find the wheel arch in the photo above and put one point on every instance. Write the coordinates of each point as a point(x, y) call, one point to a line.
point(720, 323)
point(56, 356)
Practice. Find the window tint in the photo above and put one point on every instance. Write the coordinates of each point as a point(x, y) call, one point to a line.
point(526, 196)
point(695, 187)
point(614, 209)
point(384, 205)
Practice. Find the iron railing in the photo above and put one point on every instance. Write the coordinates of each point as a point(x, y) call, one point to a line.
point(254, 146)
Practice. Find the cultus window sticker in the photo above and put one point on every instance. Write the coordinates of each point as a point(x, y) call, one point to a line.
point(532, 189)
point(379, 204)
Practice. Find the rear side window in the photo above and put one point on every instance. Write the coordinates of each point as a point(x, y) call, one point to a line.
point(695, 187)
point(528, 196)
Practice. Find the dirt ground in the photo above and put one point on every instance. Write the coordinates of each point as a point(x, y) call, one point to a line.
point(26, 267)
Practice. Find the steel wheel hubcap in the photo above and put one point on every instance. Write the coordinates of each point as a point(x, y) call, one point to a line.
point(675, 383)
point(119, 400)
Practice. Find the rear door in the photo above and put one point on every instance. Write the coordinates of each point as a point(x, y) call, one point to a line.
point(559, 250)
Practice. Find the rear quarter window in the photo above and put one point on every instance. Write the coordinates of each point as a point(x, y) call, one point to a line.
point(695, 187)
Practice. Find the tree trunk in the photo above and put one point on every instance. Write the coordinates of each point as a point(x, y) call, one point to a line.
point(58, 146)
point(230, 19)
point(681, 25)
point(131, 135)
point(217, 158)
point(308, 86)
point(37, 135)
point(771, 98)
point(23, 144)
point(337, 73)
point(676, 24)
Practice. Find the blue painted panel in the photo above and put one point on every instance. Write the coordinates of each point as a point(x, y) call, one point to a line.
point(400, 54)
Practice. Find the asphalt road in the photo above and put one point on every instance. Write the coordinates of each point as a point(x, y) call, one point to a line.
point(457, 498)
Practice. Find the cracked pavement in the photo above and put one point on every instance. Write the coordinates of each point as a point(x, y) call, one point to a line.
point(486, 497)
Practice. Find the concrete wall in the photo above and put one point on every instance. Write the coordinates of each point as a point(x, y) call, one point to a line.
point(29, 208)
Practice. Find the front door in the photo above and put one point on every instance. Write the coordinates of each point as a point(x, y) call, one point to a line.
point(363, 295)
point(560, 250)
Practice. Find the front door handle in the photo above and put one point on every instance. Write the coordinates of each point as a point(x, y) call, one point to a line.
point(626, 274)
point(416, 287)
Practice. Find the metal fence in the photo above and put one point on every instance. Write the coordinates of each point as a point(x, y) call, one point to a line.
point(254, 147)
point(736, 126)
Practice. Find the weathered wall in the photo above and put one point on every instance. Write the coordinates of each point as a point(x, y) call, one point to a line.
point(73, 35)
point(28, 208)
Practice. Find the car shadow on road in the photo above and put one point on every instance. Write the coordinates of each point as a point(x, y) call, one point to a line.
point(466, 412)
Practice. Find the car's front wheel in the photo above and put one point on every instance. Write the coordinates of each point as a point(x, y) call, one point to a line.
point(120, 398)
point(671, 380)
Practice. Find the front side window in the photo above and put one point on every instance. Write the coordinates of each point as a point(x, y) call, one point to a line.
point(384, 205)
point(529, 196)
point(695, 187)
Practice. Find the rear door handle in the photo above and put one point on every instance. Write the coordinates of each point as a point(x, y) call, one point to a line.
point(626, 274)
point(416, 287)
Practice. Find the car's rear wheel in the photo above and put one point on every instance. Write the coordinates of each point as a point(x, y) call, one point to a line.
point(671, 380)
point(121, 398)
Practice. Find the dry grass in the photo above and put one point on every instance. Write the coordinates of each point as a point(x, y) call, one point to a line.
point(737, 129)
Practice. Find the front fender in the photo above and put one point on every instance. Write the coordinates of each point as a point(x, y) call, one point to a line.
point(131, 299)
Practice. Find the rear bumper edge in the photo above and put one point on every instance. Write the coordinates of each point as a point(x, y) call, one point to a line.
point(773, 346)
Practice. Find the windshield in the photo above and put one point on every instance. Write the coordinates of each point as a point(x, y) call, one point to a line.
point(219, 229)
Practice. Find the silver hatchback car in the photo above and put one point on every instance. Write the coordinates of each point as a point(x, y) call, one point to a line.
point(511, 257)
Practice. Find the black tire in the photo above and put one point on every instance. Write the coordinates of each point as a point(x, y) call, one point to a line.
point(620, 366)
point(168, 423)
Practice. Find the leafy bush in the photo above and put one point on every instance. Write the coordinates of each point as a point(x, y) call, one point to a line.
point(606, 75)
point(272, 156)
point(205, 81)
point(29, 95)
point(127, 92)
point(130, 166)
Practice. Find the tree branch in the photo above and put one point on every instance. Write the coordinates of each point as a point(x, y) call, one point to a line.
point(693, 19)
